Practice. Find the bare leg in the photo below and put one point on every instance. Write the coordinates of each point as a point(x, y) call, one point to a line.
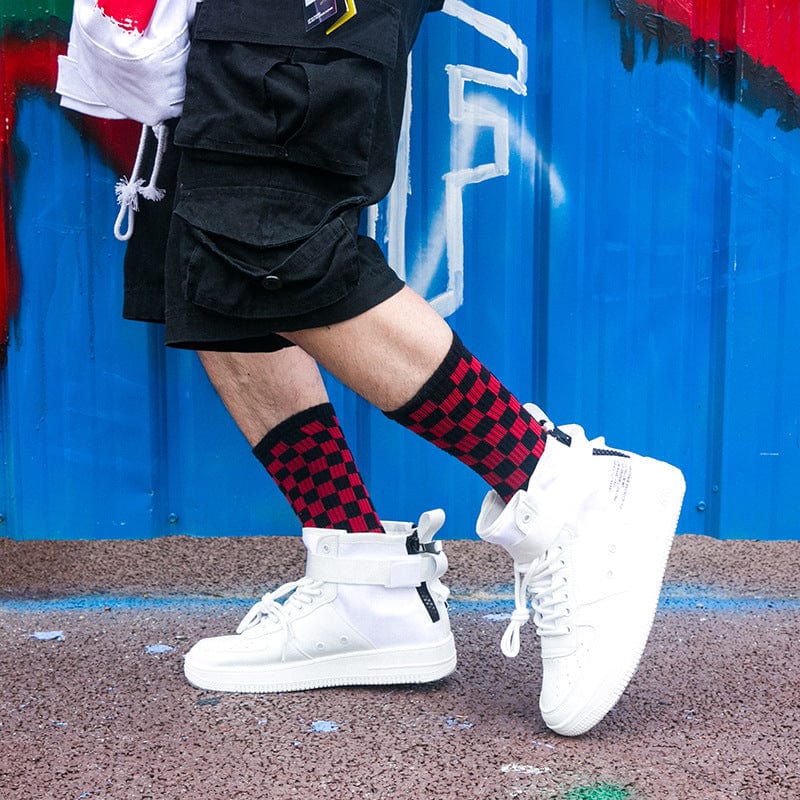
point(385, 354)
point(261, 390)
point(403, 358)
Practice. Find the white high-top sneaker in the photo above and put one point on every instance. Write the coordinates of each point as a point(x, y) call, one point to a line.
point(371, 609)
point(590, 537)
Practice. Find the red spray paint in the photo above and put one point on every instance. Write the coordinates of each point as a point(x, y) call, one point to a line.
point(27, 66)
point(767, 30)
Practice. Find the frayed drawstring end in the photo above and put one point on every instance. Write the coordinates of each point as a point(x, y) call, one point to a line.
point(128, 190)
point(151, 191)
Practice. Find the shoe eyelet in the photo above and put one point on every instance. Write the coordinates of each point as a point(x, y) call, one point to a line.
point(609, 575)
point(320, 645)
point(612, 548)
point(343, 640)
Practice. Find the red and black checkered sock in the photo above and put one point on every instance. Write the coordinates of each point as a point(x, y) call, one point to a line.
point(308, 457)
point(465, 410)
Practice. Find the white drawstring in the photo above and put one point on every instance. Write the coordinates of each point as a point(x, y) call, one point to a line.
point(129, 189)
point(151, 191)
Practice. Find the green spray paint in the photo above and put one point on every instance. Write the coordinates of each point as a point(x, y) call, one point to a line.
point(598, 791)
point(28, 11)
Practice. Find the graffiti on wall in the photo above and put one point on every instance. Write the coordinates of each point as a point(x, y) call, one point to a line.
point(30, 43)
point(745, 48)
point(470, 112)
point(26, 64)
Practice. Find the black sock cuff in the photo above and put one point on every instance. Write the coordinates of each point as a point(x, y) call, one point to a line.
point(438, 386)
point(289, 431)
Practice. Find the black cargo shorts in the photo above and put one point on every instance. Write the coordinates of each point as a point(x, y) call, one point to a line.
point(288, 132)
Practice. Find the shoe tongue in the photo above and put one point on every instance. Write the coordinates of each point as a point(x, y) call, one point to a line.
point(536, 529)
point(523, 531)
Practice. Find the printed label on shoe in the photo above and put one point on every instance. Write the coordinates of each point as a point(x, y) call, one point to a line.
point(619, 481)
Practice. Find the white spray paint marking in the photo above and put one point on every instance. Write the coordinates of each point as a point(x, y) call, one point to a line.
point(525, 769)
point(458, 722)
point(470, 113)
point(442, 233)
point(323, 726)
point(546, 745)
point(397, 208)
point(48, 636)
point(157, 649)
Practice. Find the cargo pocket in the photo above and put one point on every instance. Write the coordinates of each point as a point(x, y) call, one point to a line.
point(262, 88)
point(265, 253)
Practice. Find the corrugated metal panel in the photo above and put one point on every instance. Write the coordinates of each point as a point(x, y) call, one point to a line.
point(627, 259)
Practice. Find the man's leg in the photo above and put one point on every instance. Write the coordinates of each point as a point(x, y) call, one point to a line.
point(385, 354)
point(586, 528)
point(371, 608)
point(438, 389)
point(280, 404)
point(589, 527)
point(261, 390)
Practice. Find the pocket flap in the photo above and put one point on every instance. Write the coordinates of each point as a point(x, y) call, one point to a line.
point(257, 215)
point(251, 281)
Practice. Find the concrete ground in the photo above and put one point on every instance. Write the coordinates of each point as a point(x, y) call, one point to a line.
point(93, 703)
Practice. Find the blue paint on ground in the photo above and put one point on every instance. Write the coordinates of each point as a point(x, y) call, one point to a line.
point(495, 605)
point(114, 602)
point(157, 649)
point(688, 597)
point(492, 605)
point(48, 636)
point(323, 726)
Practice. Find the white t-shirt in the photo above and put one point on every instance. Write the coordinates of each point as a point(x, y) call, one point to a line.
point(114, 70)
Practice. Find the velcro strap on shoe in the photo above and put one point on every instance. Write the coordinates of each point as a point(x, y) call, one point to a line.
point(393, 573)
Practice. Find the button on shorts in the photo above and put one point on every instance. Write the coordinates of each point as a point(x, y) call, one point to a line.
point(287, 134)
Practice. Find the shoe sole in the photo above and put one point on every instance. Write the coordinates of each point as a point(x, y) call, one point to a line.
point(667, 501)
point(373, 668)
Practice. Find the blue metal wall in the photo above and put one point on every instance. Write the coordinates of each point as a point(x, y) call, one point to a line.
point(627, 259)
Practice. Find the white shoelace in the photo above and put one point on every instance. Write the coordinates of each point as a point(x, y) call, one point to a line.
point(297, 593)
point(544, 580)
